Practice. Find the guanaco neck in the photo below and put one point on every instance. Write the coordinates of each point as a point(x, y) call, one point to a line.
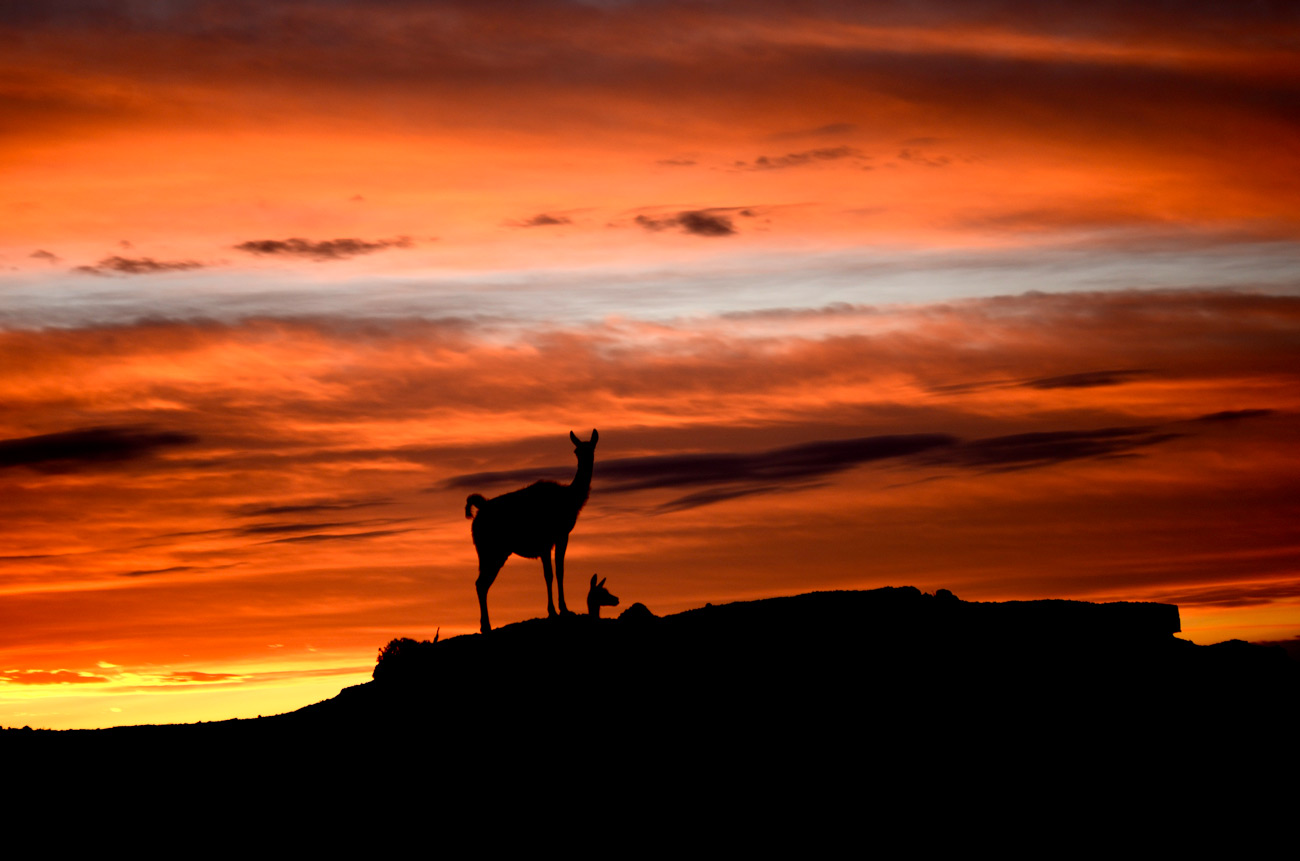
point(581, 484)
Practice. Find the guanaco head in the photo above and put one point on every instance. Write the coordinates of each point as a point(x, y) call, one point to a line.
point(585, 449)
point(599, 597)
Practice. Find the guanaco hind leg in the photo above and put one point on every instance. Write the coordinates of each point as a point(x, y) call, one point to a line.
point(488, 568)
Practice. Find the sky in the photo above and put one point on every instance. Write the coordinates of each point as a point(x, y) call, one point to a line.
point(997, 297)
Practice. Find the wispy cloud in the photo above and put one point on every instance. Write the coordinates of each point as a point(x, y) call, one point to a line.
point(1235, 415)
point(542, 219)
point(700, 222)
point(194, 676)
point(340, 504)
point(116, 265)
point(916, 156)
point(350, 536)
point(1237, 595)
point(1080, 380)
point(1088, 379)
point(173, 569)
point(799, 159)
point(1030, 450)
point(321, 249)
point(52, 677)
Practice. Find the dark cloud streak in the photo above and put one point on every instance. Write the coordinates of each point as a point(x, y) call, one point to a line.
point(149, 572)
point(310, 507)
point(763, 472)
point(353, 536)
point(320, 250)
point(543, 219)
point(1087, 379)
point(700, 222)
point(1244, 595)
point(730, 475)
point(58, 452)
point(276, 528)
point(1030, 450)
point(1235, 415)
point(1081, 380)
point(799, 159)
point(138, 266)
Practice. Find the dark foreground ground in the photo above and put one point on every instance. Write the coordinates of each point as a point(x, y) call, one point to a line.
point(836, 701)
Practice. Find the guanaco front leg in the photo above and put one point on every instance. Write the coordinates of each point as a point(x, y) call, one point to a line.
point(546, 571)
point(560, 546)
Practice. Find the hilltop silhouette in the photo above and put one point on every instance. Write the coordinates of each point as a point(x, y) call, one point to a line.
point(903, 703)
point(840, 660)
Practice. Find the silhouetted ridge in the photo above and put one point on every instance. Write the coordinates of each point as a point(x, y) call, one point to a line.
point(916, 720)
point(836, 662)
point(889, 679)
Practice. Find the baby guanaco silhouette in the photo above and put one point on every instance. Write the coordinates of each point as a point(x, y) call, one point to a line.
point(530, 523)
point(599, 597)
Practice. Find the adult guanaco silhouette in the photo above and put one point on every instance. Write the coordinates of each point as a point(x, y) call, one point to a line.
point(530, 523)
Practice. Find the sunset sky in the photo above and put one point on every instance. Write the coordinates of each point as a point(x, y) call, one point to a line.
point(998, 297)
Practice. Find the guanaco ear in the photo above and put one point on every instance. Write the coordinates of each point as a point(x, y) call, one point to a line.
point(573, 436)
point(593, 581)
point(595, 435)
point(602, 582)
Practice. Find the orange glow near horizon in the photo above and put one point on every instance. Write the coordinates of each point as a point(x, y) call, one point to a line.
point(999, 301)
